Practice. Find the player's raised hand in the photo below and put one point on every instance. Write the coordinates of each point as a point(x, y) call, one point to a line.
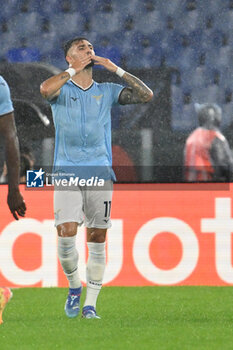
point(81, 63)
point(16, 203)
point(105, 62)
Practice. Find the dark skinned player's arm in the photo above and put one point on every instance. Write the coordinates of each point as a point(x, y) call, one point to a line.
point(9, 135)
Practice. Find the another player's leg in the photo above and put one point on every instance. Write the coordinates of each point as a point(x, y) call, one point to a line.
point(5, 296)
point(95, 270)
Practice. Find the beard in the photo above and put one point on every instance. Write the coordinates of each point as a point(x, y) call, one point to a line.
point(91, 64)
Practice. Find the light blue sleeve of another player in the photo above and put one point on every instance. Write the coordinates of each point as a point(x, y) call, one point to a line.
point(6, 105)
point(115, 91)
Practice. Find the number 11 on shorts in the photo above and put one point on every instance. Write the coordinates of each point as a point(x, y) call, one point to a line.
point(107, 208)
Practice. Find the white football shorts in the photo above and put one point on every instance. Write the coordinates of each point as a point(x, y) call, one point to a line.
point(84, 205)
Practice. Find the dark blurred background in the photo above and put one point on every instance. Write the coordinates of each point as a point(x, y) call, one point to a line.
point(181, 48)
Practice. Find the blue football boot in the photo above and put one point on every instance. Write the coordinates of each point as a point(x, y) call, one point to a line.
point(72, 305)
point(89, 312)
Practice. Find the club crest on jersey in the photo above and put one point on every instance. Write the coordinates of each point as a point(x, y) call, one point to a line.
point(98, 97)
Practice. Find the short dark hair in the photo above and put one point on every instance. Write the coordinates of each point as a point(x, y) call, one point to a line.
point(69, 43)
point(208, 113)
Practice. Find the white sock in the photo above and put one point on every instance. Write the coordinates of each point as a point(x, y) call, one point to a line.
point(68, 256)
point(95, 271)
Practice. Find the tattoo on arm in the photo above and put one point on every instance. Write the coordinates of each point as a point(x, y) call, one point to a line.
point(138, 92)
point(63, 77)
point(50, 88)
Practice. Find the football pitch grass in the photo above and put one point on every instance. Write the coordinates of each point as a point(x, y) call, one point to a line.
point(132, 318)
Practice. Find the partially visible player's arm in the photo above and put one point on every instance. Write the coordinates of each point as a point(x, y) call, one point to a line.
point(222, 159)
point(138, 92)
point(50, 88)
point(8, 133)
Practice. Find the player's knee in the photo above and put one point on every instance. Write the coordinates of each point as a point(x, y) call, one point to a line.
point(97, 236)
point(67, 230)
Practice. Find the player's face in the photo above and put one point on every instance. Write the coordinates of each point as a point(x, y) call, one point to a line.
point(80, 50)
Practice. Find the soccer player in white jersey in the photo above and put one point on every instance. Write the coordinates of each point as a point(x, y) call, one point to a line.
point(81, 111)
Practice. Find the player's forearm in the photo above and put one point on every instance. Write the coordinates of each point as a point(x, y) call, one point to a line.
point(12, 160)
point(51, 86)
point(139, 92)
point(142, 93)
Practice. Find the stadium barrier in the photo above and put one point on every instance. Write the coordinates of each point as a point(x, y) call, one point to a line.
point(162, 234)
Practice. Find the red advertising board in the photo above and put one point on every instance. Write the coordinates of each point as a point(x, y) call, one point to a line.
point(162, 234)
